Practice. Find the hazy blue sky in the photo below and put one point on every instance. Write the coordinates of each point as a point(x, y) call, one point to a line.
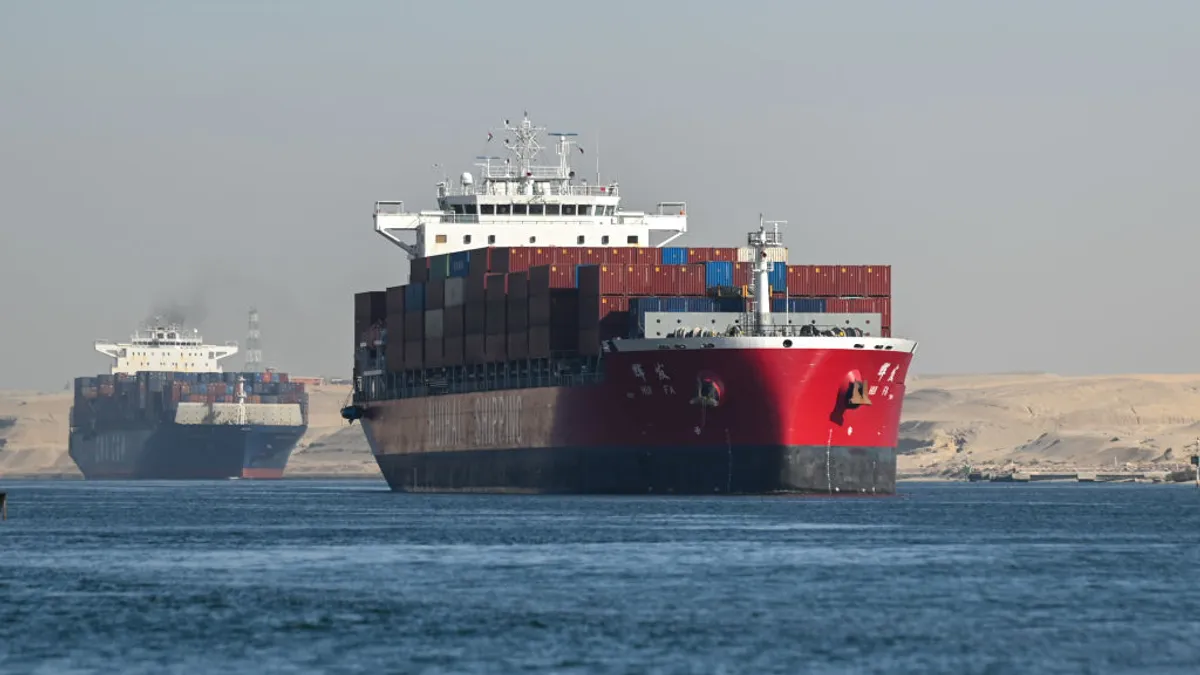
point(1030, 169)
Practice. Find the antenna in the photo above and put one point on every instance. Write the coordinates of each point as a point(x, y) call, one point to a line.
point(253, 348)
point(597, 151)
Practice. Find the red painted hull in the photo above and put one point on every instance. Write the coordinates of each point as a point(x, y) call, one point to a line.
point(781, 423)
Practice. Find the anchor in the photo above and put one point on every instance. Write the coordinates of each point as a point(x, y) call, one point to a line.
point(856, 394)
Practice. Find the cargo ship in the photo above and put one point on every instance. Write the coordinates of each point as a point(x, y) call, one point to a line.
point(166, 410)
point(544, 345)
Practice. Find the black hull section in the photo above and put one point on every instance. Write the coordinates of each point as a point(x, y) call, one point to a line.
point(185, 452)
point(683, 471)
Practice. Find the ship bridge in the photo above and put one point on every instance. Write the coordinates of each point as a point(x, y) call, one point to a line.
point(516, 202)
point(165, 347)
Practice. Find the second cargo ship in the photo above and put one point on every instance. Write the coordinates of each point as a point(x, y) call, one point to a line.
point(542, 345)
point(166, 410)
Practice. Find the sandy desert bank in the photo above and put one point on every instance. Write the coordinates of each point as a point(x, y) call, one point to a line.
point(1031, 421)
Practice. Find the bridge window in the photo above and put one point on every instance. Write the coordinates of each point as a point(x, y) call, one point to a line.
point(552, 209)
point(631, 239)
point(491, 238)
point(610, 210)
point(504, 209)
point(487, 209)
point(441, 239)
point(457, 208)
point(537, 209)
point(585, 209)
point(470, 209)
point(568, 209)
point(520, 209)
point(466, 238)
point(579, 240)
point(604, 240)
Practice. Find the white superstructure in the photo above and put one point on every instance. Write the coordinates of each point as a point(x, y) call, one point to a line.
point(166, 347)
point(516, 202)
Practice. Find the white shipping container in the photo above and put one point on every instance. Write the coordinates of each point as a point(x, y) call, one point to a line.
point(456, 292)
point(774, 254)
point(434, 320)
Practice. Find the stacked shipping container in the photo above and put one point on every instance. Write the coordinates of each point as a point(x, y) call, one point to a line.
point(490, 305)
point(121, 401)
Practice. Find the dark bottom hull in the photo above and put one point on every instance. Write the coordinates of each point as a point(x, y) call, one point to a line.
point(185, 452)
point(682, 471)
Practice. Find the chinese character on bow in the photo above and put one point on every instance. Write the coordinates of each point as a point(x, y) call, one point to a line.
point(638, 372)
point(661, 372)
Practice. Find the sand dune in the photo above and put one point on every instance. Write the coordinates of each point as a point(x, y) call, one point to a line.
point(1148, 421)
point(950, 423)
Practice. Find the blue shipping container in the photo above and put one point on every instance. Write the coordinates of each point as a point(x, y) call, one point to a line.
point(674, 255)
point(414, 297)
point(730, 304)
point(460, 263)
point(778, 277)
point(798, 305)
point(701, 305)
point(718, 274)
point(639, 306)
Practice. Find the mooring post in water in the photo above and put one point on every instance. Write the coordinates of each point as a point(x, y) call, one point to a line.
point(3, 506)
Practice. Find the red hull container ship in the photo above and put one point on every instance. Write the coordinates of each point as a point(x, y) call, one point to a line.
point(568, 355)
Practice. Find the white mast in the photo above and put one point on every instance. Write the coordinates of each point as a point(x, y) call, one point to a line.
point(760, 241)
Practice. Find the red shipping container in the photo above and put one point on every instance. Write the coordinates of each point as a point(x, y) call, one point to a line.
point(622, 256)
point(568, 255)
point(562, 276)
point(821, 280)
point(593, 256)
point(613, 280)
point(742, 275)
point(702, 255)
point(881, 306)
point(797, 281)
point(495, 348)
point(519, 259)
point(886, 332)
point(877, 280)
point(637, 280)
point(541, 256)
point(663, 279)
point(648, 255)
point(847, 280)
point(689, 280)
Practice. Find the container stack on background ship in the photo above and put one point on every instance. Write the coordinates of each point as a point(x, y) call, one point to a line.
point(497, 305)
